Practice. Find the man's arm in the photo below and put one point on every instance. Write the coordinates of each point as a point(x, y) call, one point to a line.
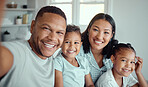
point(6, 60)
point(6, 57)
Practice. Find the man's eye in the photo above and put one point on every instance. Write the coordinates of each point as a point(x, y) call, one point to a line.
point(45, 28)
point(123, 60)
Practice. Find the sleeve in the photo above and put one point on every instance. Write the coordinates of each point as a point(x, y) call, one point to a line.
point(131, 80)
point(14, 48)
point(87, 70)
point(58, 65)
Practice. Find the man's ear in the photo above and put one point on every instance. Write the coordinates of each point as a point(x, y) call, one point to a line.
point(112, 59)
point(32, 25)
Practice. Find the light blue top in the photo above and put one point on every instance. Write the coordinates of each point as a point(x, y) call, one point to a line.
point(108, 80)
point(95, 70)
point(72, 76)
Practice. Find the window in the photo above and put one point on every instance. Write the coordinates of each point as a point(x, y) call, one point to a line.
point(80, 12)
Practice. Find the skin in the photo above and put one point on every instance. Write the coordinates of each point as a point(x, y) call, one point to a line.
point(70, 48)
point(47, 34)
point(124, 65)
point(100, 34)
point(49, 29)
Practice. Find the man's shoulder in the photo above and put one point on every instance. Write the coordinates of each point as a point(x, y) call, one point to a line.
point(17, 42)
point(15, 45)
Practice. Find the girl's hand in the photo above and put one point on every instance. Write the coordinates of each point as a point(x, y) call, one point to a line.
point(139, 65)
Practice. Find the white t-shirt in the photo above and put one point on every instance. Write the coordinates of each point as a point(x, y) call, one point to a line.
point(28, 69)
point(72, 76)
point(107, 80)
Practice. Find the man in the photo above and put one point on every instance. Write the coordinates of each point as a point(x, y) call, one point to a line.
point(30, 63)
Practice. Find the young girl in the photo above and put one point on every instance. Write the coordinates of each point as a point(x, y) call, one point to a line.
point(72, 70)
point(123, 58)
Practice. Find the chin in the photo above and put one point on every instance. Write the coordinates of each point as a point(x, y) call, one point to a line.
point(47, 54)
point(126, 75)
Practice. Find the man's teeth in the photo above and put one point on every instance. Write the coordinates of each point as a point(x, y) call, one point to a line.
point(98, 42)
point(49, 45)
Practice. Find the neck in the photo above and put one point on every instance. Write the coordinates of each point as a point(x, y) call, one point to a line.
point(98, 52)
point(118, 78)
point(73, 61)
point(98, 56)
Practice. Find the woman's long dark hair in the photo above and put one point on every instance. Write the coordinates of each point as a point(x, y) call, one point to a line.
point(85, 39)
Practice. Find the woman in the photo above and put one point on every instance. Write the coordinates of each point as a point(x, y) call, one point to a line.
point(97, 42)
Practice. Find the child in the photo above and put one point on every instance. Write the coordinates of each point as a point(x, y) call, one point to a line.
point(123, 58)
point(72, 70)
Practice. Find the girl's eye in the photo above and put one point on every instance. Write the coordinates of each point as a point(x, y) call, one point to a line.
point(76, 42)
point(67, 42)
point(60, 33)
point(133, 62)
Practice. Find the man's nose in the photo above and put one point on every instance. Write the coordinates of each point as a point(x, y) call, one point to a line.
point(52, 36)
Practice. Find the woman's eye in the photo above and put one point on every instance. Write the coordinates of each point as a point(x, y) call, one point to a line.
point(95, 29)
point(106, 32)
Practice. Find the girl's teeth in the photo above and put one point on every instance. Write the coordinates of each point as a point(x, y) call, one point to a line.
point(70, 51)
point(126, 70)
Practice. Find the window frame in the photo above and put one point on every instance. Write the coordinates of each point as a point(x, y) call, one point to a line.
point(76, 9)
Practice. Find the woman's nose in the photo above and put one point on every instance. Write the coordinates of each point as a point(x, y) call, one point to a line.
point(100, 35)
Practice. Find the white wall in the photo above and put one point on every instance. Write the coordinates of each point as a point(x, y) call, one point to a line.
point(131, 17)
